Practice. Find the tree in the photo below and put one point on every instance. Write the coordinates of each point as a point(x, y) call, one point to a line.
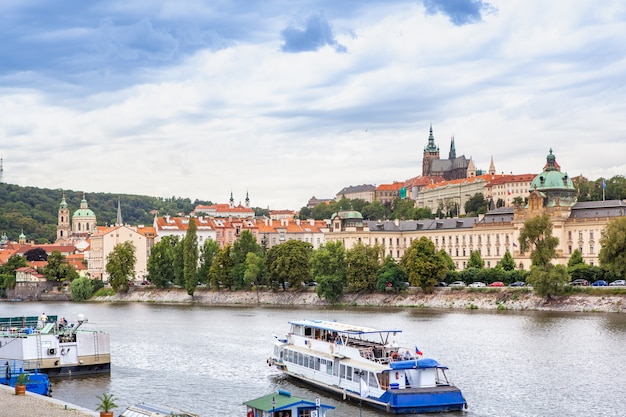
point(161, 262)
point(7, 271)
point(476, 205)
point(548, 282)
point(330, 287)
point(575, 259)
point(447, 259)
point(179, 263)
point(423, 264)
point(518, 201)
point(246, 243)
point(613, 253)
point(329, 259)
point(121, 265)
point(58, 269)
point(362, 263)
point(536, 235)
point(36, 254)
point(253, 269)
point(475, 260)
point(190, 257)
point(81, 289)
point(390, 275)
point(289, 263)
point(507, 263)
point(221, 268)
point(207, 255)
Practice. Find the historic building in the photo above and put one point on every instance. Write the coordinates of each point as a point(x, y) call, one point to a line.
point(577, 225)
point(79, 227)
point(450, 169)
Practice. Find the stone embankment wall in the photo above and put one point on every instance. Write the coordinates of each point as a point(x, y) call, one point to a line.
point(446, 298)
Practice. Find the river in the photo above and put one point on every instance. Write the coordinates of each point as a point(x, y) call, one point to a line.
point(209, 360)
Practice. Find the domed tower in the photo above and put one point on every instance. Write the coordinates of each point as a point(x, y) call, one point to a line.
point(552, 188)
point(83, 220)
point(64, 229)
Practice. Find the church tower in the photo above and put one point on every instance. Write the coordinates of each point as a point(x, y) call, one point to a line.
point(63, 222)
point(492, 167)
point(431, 152)
point(83, 220)
point(247, 200)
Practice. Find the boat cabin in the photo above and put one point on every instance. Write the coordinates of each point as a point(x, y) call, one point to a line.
point(283, 404)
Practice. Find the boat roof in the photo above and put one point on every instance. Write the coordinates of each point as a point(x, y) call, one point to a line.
point(146, 410)
point(281, 400)
point(342, 327)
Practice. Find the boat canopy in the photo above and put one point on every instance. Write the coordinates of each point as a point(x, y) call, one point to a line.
point(281, 400)
point(418, 363)
point(334, 326)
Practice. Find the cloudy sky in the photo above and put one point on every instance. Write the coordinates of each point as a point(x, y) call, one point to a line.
point(292, 99)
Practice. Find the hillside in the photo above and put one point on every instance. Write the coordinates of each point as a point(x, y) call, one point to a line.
point(33, 211)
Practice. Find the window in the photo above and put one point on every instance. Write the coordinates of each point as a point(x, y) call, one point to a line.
point(591, 234)
point(591, 249)
point(580, 235)
point(569, 235)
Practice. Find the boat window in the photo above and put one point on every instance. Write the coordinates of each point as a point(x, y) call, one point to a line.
point(329, 368)
point(308, 331)
point(349, 373)
point(372, 380)
point(342, 371)
point(306, 361)
point(317, 364)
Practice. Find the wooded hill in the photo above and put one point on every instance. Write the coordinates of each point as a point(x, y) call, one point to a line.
point(34, 211)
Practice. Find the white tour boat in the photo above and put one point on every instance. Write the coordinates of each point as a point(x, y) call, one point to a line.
point(367, 364)
point(55, 346)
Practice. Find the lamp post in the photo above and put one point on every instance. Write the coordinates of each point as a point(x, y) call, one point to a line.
point(273, 405)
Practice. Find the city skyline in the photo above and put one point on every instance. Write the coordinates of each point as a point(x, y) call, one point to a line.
point(289, 101)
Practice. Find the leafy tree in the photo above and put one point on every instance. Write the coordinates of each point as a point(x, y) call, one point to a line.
point(548, 281)
point(190, 257)
point(404, 209)
point(536, 235)
point(207, 255)
point(447, 259)
point(362, 263)
point(179, 263)
point(121, 265)
point(476, 205)
point(242, 246)
point(375, 211)
point(221, 268)
point(518, 201)
point(475, 260)
point(254, 266)
point(81, 289)
point(390, 275)
point(161, 262)
point(329, 259)
point(507, 263)
point(58, 269)
point(7, 271)
point(575, 259)
point(330, 287)
point(289, 263)
point(423, 264)
point(613, 253)
point(36, 254)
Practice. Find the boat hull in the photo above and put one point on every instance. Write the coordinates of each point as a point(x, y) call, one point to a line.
point(411, 401)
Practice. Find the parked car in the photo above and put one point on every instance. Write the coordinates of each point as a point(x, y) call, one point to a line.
point(579, 282)
point(477, 284)
point(458, 284)
point(497, 284)
point(618, 283)
point(518, 284)
point(441, 284)
point(600, 283)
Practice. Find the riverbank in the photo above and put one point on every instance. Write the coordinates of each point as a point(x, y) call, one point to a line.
point(441, 298)
point(30, 404)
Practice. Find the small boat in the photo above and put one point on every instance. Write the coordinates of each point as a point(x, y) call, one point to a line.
point(145, 410)
point(367, 364)
point(11, 369)
point(54, 346)
point(283, 404)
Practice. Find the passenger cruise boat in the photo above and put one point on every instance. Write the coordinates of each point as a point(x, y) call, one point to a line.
point(54, 346)
point(367, 364)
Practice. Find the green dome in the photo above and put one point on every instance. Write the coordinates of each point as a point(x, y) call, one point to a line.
point(84, 210)
point(348, 214)
point(556, 186)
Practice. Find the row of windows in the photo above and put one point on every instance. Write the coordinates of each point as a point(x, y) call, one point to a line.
point(320, 364)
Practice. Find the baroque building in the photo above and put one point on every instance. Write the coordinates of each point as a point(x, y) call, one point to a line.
point(576, 225)
point(77, 227)
point(450, 169)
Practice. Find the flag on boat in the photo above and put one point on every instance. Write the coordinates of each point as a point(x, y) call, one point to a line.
point(364, 388)
point(418, 351)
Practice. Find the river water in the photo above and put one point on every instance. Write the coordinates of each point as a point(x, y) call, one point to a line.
point(209, 360)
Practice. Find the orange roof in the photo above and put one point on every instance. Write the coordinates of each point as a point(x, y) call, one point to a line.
point(393, 187)
point(423, 180)
point(503, 179)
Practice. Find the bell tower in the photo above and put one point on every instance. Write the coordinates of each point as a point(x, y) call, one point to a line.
point(63, 223)
point(431, 152)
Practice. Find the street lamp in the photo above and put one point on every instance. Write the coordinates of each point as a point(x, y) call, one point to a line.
point(273, 405)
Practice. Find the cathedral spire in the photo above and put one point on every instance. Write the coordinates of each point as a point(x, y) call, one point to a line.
point(232, 200)
point(492, 167)
point(247, 200)
point(119, 221)
point(452, 154)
